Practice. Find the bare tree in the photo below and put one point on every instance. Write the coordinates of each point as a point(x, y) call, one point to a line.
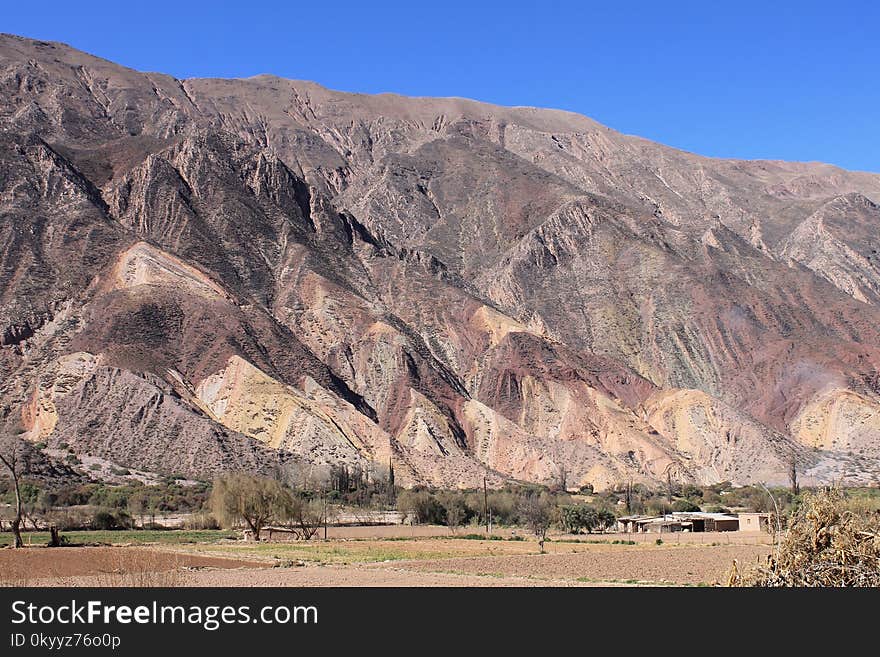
point(559, 474)
point(12, 458)
point(561, 477)
point(139, 504)
point(455, 513)
point(306, 517)
point(536, 510)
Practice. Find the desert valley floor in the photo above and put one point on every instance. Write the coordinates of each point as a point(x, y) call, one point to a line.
point(394, 556)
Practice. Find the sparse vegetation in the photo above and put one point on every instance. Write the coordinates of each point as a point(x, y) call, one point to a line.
point(827, 544)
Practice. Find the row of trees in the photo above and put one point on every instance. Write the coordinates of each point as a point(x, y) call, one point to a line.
point(257, 502)
point(534, 508)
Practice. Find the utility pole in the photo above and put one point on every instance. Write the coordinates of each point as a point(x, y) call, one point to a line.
point(486, 506)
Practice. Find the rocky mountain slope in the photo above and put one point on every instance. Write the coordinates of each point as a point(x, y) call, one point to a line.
point(205, 275)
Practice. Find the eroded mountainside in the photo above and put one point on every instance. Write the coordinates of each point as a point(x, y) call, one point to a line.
point(205, 275)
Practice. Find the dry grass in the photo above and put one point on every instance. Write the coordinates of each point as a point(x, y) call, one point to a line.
point(148, 570)
point(14, 577)
point(827, 544)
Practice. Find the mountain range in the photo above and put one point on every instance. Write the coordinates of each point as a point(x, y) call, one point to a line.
point(206, 275)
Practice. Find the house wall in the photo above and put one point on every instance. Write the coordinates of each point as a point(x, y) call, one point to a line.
point(726, 525)
point(752, 522)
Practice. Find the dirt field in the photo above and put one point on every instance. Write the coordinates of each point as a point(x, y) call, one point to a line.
point(104, 566)
point(392, 556)
point(630, 564)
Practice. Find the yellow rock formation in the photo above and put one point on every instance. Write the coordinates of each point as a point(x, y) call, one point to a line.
point(245, 399)
point(838, 419)
point(40, 416)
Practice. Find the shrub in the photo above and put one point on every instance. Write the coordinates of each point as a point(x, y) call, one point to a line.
point(826, 545)
point(684, 506)
point(421, 507)
point(714, 508)
point(201, 521)
point(105, 520)
point(577, 517)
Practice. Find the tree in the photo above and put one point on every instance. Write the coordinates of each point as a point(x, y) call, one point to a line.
point(560, 478)
point(391, 495)
point(578, 517)
point(305, 516)
point(12, 458)
point(792, 475)
point(139, 504)
point(455, 514)
point(605, 520)
point(256, 501)
point(536, 510)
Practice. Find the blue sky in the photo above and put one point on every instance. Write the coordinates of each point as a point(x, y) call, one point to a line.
point(781, 80)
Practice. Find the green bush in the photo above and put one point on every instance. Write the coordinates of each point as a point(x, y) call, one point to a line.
point(576, 518)
point(714, 508)
point(684, 506)
point(421, 507)
point(105, 520)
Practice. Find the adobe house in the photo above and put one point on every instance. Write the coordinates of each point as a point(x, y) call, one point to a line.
point(633, 524)
point(679, 522)
point(708, 522)
point(754, 522)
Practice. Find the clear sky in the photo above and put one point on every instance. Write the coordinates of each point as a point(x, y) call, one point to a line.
point(779, 79)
